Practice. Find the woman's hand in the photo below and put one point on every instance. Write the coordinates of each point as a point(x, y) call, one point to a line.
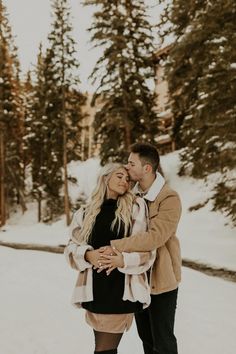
point(110, 261)
point(92, 257)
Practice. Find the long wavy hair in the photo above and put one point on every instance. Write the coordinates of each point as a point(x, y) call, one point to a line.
point(124, 205)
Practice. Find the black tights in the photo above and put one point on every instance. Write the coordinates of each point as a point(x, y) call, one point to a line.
point(106, 343)
point(112, 351)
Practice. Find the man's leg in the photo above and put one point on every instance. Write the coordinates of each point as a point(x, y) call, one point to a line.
point(144, 330)
point(162, 317)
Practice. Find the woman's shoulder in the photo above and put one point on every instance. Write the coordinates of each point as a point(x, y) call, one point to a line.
point(139, 206)
point(139, 201)
point(79, 214)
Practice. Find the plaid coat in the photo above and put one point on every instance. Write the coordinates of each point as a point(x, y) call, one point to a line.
point(136, 264)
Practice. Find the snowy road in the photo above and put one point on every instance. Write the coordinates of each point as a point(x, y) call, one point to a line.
point(37, 318)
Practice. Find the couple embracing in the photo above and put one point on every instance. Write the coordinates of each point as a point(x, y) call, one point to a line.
point(124, 246)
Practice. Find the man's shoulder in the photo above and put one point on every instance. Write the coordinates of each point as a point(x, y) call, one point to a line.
point(166, 192)
point(167, 198)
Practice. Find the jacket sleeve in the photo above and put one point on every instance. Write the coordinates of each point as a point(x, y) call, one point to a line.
point(75, 251)
point(162, 225)
point(138, 262)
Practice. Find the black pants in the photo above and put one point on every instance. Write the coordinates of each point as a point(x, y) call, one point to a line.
point(156, 324)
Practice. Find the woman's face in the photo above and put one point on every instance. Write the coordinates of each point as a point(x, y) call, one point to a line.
point(118, 183)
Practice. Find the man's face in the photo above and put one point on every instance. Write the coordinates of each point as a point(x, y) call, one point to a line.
point(134, 167)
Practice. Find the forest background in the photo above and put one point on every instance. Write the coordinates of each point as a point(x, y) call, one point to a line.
point(45, 112)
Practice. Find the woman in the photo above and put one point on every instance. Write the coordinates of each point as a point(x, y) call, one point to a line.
point(110, 297)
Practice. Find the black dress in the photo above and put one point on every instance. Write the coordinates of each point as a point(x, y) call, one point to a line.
point(108, 290)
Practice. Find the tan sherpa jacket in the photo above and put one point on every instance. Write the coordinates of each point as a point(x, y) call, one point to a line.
point(164, 214)
point(136, 263)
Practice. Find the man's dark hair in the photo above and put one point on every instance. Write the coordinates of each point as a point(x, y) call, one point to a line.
point(147, 154)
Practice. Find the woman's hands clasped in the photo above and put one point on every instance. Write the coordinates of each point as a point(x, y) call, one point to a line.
point(109, 259)
point(105, 258)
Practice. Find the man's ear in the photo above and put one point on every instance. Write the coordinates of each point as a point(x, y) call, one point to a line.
point(148, 168)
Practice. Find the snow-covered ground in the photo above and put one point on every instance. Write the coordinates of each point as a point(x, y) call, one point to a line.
point(37, 318)
point(35, 312)
point(204, 235)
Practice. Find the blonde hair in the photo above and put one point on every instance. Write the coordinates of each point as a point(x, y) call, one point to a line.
point(124, 205)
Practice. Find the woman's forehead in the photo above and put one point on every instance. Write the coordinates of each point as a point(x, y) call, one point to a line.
point(121, 170)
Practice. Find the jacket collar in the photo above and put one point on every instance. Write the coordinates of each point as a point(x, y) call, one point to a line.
point(153, 191)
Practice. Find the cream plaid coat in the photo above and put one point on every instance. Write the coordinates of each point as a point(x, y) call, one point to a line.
point(136, 263)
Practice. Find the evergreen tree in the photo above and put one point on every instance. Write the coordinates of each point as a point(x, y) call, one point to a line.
point(127, 114)
point(202, 84)
point(56, 111)
point(36, 138)
point(11, 121)
point(27, 93)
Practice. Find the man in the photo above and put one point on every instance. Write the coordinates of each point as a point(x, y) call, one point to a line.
point(156, 324)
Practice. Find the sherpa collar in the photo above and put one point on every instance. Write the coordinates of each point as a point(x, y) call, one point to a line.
point(153, 191)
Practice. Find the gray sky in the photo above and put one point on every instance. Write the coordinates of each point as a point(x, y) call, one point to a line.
point(30, 21)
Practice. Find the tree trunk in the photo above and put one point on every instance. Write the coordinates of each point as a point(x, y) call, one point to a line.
point(39, 206)
point(20, 191)
point(127, 136)
point(66, 194)
point(2, 179)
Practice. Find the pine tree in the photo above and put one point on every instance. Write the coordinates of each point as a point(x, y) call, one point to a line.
point(122, 29)
point(27, 94)
point(11, 121)
point(202, 83)
point(56, 112)
point(36, 137)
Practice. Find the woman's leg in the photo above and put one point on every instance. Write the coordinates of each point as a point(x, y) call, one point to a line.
point(107, 342)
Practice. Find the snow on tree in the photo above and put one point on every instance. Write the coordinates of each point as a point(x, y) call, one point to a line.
point(121, 28)
point(56, 112)
point(201, 74)
point(11, 122)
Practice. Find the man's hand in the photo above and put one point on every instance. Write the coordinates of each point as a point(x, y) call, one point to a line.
point(110, 261)
point(108, 250)
point(94, 256)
